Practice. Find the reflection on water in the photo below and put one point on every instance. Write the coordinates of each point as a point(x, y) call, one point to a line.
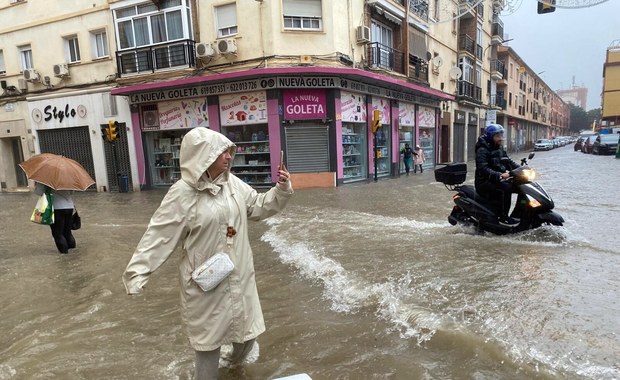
point(365, 281)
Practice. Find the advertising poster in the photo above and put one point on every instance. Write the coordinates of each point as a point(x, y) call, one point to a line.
point(426, 117)
point(406, 114)
point(304, 103)
point(383, 105)
point(190, 113)
point(353, 107)
point(243, 109)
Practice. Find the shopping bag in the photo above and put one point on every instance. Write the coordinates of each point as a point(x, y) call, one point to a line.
point(44, 210)
point(76, 221)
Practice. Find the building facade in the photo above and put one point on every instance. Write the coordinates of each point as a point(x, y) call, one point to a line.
point(611, 87)
point(302, 77)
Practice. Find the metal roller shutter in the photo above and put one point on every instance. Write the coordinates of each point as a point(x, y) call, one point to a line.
point(307, 147)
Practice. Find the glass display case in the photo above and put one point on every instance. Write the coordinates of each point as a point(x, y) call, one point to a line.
point(252, 163)
point(164, 149)
point(383, 151)
point(354, 152)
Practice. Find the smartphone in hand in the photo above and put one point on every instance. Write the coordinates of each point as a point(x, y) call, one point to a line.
point(281, 160)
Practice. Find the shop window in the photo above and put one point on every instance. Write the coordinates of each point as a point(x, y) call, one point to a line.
point(354, 151)
point(252, 162)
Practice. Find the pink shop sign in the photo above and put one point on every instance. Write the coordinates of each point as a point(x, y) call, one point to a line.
point(304, 104)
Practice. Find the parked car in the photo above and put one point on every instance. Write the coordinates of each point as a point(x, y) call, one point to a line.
point(579, 143)
point(543, 144)
point(586, 147)
point(605, 144)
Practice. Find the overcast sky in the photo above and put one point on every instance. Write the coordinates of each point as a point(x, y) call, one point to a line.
point(566, 43)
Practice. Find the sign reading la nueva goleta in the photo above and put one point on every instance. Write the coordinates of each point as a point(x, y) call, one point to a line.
point(286, 82)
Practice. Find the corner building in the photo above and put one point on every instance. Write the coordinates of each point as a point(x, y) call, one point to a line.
point(303, 77)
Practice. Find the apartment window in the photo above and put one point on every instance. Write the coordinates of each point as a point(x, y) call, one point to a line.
point(510, 99)
point(382, 37)
point(99, 43)
point(436, 10)
point(467, 68)
point(302, 14)
point(2, 67)
point(226, 20)
point(144, 24)
point(511, 70)
point(72, 49)
point(25, 56)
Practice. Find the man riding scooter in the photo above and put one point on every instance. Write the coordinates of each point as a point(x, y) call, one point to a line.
point(492, 167)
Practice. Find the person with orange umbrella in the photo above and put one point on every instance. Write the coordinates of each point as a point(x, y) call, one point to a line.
point(62, 200)
point(61, 176)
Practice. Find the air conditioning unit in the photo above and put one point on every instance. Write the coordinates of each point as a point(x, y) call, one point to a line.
point(61, 70)
point(204, 50)
point(31, 75)
point(363, 34)
point(226, 47)
point(150, 118)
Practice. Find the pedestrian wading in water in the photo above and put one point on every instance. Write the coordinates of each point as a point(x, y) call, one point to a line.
point(206, 213)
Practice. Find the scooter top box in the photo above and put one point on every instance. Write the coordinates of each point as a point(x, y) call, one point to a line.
point(452, 174)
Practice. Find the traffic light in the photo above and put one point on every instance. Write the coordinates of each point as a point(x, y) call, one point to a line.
point(113, 130)
point(546, 6)
point(376, 121)
point(105, 132)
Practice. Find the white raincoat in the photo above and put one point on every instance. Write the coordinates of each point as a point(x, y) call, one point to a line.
point(196, 212)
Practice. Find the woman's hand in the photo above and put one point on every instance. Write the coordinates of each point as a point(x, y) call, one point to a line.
point(284, 179)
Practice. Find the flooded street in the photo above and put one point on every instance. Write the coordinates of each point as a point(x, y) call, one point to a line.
point(364, 281)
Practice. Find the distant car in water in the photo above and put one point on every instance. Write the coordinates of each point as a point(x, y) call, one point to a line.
point(605, 144)
point(586, 146)
point(582, 137)
point(543, 144)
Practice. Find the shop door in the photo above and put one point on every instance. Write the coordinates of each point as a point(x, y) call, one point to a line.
point(459, 142)
point(472, 138)
point(445, 144)
point(69, 142)
point(117, 161)
point(307, 148)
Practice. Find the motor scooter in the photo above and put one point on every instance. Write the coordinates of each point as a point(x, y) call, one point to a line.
point(533, 209)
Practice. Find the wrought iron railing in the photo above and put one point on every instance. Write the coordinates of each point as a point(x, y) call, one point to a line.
point(497, 65)
point(497, 28)
point(466, 43)
point(385, 57)
point(156, 57)
point(419, 8)
point(470, 91)
point(497, 100)
point(418, 68)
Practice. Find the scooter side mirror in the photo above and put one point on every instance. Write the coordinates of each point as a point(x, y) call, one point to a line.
point(530, 156)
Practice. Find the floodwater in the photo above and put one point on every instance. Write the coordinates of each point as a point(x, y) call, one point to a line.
point(364, 281)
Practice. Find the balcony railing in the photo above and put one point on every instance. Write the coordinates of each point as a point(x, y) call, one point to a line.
point(467, 44)
point(419, 8)
point(385, 57)
point(156, 57)
point(470, 91)
point(497, 29)
point(418, 69)
point(498, 70)
point(497, 101)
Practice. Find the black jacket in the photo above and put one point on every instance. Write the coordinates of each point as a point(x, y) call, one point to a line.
point(491, 161)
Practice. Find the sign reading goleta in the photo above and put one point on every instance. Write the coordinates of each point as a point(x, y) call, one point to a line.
point(271, 83)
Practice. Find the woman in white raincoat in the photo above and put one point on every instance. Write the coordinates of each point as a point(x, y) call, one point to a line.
point(198, 211)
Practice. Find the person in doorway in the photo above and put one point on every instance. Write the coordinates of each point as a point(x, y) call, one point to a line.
point(492, 171)
point(207, 212)
point(407, 153)
point(419, 159)
point(62, 200)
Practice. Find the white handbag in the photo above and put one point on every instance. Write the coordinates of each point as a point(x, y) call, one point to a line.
point(213, 271)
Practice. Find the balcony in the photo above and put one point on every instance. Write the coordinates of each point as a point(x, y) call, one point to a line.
point(469, 92)
point(466, 43)
point(497, 31)
point(419, 8)
point(497, 101)
point(177, 54)
point(497, 69)
point(418, 69)
point(467, 9)
point(384, 57)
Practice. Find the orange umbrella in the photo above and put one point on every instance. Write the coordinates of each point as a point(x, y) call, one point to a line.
point(57, 172)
